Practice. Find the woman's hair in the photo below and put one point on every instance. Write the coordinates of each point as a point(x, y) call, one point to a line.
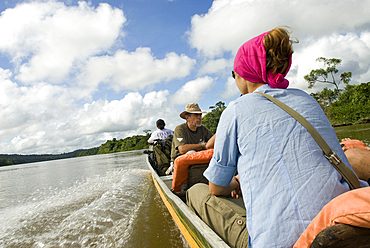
point(278, 48)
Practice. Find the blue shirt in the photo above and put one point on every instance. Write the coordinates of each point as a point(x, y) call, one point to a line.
point(284, 177)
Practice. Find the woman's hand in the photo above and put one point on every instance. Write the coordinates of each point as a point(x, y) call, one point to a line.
point(236, 192)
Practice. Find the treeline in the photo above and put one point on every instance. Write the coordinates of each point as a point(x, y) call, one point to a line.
point(348, 106)
point(130, 143)
point(135, 142)
point(211, 119)
point(12, 159)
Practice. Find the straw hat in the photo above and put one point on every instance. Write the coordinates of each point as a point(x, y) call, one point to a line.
point(192, 108)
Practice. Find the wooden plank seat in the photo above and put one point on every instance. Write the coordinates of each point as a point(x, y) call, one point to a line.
point(342, 235)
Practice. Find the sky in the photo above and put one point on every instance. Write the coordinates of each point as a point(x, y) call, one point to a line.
point(74, 74)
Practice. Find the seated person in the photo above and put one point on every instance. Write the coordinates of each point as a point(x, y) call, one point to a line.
point(162, 133)
point(282, 174)
point(358, 155)
point(190, 136)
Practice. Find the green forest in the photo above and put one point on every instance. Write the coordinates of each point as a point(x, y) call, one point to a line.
point(348, 106)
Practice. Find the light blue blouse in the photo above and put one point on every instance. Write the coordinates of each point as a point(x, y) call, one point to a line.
point(285, 179)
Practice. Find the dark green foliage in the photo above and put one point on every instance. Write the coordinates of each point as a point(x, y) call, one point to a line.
point(130, 143)
point(352, 106)
point(327, 75)
point(326, 97)
point(211, 119)
point(5, 161)
point(88, 152)
point(10, 159)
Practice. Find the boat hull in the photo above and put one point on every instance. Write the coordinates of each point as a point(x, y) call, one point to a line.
point(194, 230)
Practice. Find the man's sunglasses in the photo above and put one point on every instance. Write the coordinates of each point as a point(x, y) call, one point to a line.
point(233, 74)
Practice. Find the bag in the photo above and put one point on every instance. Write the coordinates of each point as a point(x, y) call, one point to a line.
point(159, 155)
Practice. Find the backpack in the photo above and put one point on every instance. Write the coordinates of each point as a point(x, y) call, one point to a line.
point(159, 155)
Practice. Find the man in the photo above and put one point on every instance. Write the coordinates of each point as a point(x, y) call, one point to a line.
point(188, 137)
point(192, 135)
point(162, 133)
point(358, 155)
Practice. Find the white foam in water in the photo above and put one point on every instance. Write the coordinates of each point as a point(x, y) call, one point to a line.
point(94, 212)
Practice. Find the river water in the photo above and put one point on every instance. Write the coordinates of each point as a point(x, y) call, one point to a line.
point(360, 132)
point(96, 201)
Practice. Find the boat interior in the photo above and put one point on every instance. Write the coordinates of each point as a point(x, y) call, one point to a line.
point(195, 175)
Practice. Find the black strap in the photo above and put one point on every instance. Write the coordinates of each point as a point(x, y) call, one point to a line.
point(341, 167)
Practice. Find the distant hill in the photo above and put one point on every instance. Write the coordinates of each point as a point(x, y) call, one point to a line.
point(12, 159)
point(130, 143)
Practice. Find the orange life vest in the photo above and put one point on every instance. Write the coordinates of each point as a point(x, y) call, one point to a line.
point(182, 163)
point(351, 208)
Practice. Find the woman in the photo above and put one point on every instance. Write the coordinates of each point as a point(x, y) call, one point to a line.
point(283, 176)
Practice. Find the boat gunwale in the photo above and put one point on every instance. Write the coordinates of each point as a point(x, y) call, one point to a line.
point(186, 215)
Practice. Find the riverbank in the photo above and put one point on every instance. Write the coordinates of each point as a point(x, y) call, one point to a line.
point(363, 121)
point(356, 131)
point(136, 142)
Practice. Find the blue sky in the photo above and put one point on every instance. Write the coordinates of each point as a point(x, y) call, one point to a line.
point(74, 74)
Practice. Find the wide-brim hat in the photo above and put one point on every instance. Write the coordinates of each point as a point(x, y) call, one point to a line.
point(192, 108)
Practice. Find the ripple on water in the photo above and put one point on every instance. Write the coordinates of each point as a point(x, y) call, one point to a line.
point(96, 212)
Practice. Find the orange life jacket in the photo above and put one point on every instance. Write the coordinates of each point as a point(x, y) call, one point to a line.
point(351, 208)
point(182, 163)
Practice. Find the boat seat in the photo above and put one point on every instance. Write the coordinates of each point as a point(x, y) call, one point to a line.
point(195, 174)
point(181, 169)
point(342, 235)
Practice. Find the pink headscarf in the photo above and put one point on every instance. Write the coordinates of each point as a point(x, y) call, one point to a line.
point(250, 64)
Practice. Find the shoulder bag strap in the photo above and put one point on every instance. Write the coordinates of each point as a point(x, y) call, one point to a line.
point(341, 167)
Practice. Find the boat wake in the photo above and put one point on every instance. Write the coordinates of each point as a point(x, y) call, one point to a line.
point(97, 212)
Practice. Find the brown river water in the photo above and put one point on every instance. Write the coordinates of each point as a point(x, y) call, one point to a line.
point(97, 201)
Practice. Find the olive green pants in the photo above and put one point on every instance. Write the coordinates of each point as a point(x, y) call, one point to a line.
point(225, 215)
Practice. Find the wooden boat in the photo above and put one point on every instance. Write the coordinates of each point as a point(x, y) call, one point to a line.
point(194, 230)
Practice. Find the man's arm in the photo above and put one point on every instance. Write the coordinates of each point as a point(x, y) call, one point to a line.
point(233, 188)
point(211, 142)
point(188, 147)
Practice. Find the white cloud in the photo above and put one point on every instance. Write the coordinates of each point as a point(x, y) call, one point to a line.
point(231, 90)
point(47, 39)
point(51, 43)
point(192, 91)
point(228, 24)
point(354, 50)
point(216, 66)
point(57, 129)
point(62, 56)
point(332, 29)
point(135, 70)
point(23, 108)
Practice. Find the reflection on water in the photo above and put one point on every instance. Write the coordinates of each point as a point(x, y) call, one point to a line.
point(359, 131)
point(96, 201)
